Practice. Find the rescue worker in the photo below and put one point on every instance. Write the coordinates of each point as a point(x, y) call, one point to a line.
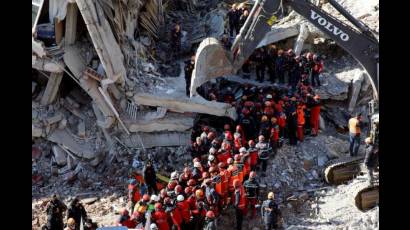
point(270, 213)
point(71, 224)
point(212, 197)
point(189, 67)
point(252, 192)
point(55, 209)
point(234, 175)
point(198, 171)
point(150, 177)
point(233, 18)
point(239, 202)
point(125, 219)
point(222, 185)
point(90, 225)
point(76, 211)
point(244, 155)
point(315, 115)
point(274, 135)
point(243, 17)
point(316, 70)
point(248, 123)
point(263, 153)
point(199, 212)
point(183, 206)
point(141, 208)
point(371, 158)
point(210, 223)
point(134, 194)
point(253, 155)
point(291, 120)
point(239, 164)
point(176, 40)
point(185, 176)
point(354, 134)
point(300, 120)
point(246, 69)
point(160, 217)
point(174, 213)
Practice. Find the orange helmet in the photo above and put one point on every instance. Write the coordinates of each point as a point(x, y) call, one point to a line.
point(199, 193)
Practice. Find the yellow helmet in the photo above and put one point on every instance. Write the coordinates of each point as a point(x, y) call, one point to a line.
point(271, 195)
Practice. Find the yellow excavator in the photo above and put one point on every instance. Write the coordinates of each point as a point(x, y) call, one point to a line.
point(213, 61)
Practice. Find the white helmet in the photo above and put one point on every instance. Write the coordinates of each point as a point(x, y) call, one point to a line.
point(211, 157)
point(242, 150)
point(269, 96)
point(180, 198)
point(197, 164)
point(174, 175)
point(155, 198)
point(212, 150)
point(153, 226)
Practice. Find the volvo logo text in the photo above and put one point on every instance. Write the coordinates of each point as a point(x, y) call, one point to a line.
point(329, 26)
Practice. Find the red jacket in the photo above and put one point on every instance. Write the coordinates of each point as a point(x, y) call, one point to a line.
point(253, 155)
point(136, 196)
point(318, 67)
point(161, 219)
point(176, 217)
point(185, 210)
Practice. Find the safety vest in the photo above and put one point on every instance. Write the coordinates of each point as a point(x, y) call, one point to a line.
point(300, 115)
point(275, 133)
point(141, 207)
point(240, 167)
point(217, 180)
point(253, 155)
point(242, 198)
point(234, 174)
point(237, 143)
point(223, 157)
point(161, 219)
point(247, 166)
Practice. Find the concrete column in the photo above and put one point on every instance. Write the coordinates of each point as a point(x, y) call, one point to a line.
point(303, 34)
point(71, 23)
point(52, 88)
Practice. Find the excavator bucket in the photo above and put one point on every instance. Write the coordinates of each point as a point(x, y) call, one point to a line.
point(211, 61)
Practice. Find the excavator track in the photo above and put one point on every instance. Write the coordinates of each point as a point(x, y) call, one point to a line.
point(342, 170)
point(366, 196)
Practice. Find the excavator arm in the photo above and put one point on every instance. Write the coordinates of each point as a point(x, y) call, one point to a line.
point(213, 61)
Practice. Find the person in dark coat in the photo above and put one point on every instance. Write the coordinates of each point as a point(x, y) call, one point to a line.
point(189, 67)
point(280, 66)
point(233, 18)
point(55, 210)
point(260, 66)
point(371, 158)
point(292, 121)
point(176, 36)
point(210, 223)
point(76, 211)
point(150, 178)
point(270, 213)
point(270, 60)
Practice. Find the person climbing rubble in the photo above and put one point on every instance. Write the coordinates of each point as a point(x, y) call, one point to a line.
point(371, 158)
point(270, 213)
point(55, 209)
point(76, 211)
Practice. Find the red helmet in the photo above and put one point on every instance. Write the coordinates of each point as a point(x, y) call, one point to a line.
point(191, 182)
point(227, 146)
point(252, 174)
point(210, 214)
point(158, 206)
point(178, 189)
point(199, 193)
point(227, 127)
point(212, 169)
point(228, 136)
point(171, 185)
point(236, 183)
point(221, 165)
point(205, 175)
point(230, 161)
point(145, 197)
point(251, 143)
point(238, 128)
point(237, 157)
point(188, 190)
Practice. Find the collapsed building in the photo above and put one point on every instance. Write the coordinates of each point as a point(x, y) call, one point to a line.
point(103, 79)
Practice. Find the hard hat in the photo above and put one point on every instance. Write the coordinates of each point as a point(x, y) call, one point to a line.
point(273, 119)
point(252, 174)
point(199, 193)
point(212, 169)
point(212, 150)
point(178, 189)
point(188, 190)
point(251, 143)
point(236, 183)
point(261, 138)
point(145, 197)
point(153, 226)
point(271, 195)
point(210, 214)
point(197, 165)
point(228, 136)
point(155, 198)
point(236, 135)
point(211, 158)
point(70, 222)
point(227, 127)
point(230, 160)
point(269, 96)
point(211, 135)
point(191, 182)
point(174, 175)
point(158, 206)
point(242, 150)
point(221, 165)
point(368, 140)
point(180, 198)
point(237, 157)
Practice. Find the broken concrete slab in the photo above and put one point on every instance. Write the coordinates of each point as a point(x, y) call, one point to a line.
point(159, 139)
point(60, 155)
point(303, 34)
point(74, 61)
point(355, 90)
point(180, 104)
point(38, 48)
point(54, 119)
point(171, 122)
point(71, 24)
point(36, 131)
point(81, 128)
point(279, 33)
point(52, 87)
point(47, 65)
